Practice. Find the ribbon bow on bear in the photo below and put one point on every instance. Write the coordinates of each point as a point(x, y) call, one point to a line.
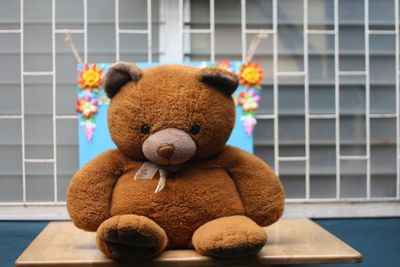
point(147, 172)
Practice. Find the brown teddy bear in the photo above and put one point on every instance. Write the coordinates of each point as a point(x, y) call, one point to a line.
point(172, 182)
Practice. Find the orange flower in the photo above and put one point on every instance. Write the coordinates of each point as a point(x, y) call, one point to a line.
point(251, 75)
point(90, 77)
point(225, 65)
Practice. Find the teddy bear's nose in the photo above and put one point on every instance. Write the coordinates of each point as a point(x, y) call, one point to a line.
point(166, 151)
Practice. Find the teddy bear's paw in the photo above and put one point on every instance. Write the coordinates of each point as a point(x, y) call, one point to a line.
point(229, 237)
point(130, 238)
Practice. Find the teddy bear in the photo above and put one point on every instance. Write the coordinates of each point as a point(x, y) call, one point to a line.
point(172, 182)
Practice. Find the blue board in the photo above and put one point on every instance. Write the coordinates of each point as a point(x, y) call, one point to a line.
point(101, 140)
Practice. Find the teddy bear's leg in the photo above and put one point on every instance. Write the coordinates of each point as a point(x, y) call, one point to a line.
point(130, 238)
point(228, 237)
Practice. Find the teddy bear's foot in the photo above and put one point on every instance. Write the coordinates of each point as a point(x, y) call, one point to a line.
point(229, 237)
point(130, 238)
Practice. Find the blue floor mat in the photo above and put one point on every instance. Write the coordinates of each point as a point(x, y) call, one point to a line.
point(377, 239)
point(15, 237)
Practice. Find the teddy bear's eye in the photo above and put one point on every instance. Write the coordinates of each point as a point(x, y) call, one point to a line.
point(195, 129)
point(145, 129)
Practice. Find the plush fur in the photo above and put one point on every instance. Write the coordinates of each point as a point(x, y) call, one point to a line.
point(216, 201)
point(220, 237)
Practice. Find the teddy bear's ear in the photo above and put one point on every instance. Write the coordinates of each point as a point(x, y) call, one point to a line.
point(118, 75)
point(224, 81)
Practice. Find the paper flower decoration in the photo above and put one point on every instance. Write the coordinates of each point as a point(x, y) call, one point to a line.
point(251, 75)
point(87, 106)
point(249, 122)
point(225, 65)
point(90, 97)
point(90, 77)
point(88, 128)
point(249, 100)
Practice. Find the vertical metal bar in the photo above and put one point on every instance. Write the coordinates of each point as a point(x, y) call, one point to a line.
point(170, 32)
point(184, 16)
point(85, 32)
point(180, 41)
point(275, 86)
point(337, 98)
point(186, 39)
point(396, 16)
point(212, 30)
point(53, 54)
point(162, 32)
point(22, 102)
point(117, 56)
point(243, 24)
point(306, 98)
point(367, 97)
point(149, 33)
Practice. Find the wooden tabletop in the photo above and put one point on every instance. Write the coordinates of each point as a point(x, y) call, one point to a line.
point(291, 241)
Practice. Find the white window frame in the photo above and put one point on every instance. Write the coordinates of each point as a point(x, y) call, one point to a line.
point(174, 41)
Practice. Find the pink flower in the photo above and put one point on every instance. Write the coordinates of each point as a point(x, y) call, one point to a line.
point(87, 105)
point(248, 122)
point(249, 100)
point(88, 129)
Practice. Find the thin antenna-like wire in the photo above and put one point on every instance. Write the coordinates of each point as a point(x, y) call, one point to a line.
point(71, 44)
point(254, 45)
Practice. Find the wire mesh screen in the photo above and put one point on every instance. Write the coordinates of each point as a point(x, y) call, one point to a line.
point(39, 146)
point(328, 122)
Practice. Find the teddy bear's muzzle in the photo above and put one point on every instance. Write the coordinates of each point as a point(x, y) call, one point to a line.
point(169, 146)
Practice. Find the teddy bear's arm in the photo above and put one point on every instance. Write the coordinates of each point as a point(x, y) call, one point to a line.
point(89, 192)
point(260, 189)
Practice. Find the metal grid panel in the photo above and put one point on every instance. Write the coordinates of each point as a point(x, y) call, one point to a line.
point(147, 32)
point(340, 158)
point(183, 33)
point(52, 73)
point(55, 117)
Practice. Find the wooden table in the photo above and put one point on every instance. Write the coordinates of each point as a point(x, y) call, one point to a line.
point(291, 241)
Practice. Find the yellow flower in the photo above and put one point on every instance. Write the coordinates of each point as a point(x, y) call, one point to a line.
point(90, 77)
point(250, 75)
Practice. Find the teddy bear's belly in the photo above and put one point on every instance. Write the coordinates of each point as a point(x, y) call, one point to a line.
point(191, 198)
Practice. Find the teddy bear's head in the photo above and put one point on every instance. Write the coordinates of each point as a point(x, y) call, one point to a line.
point(170, 114)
